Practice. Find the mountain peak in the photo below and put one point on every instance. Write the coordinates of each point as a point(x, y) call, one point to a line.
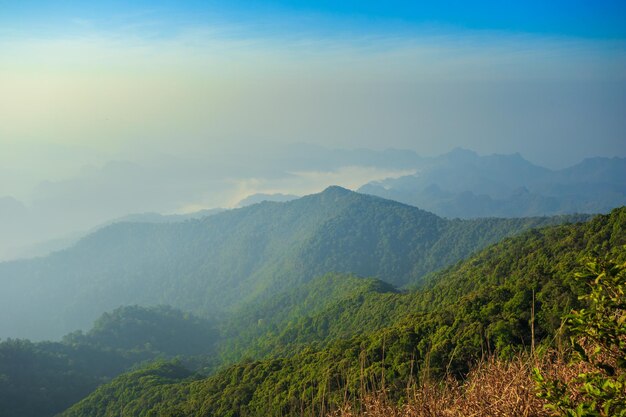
point(461, 154)
point(336, 190)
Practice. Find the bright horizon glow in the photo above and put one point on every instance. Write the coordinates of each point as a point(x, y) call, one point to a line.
point(114, 93)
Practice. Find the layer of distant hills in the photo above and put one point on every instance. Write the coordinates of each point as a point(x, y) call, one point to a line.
point(457, 184)
point(465, 185)
point(216, 264)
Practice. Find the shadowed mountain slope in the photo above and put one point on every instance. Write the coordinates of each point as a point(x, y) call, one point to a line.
point(221, 262)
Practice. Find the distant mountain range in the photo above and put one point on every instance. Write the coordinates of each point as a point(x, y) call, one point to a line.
point(221, 262)
point(49, 246)
point(457, 184)
point(465, 185)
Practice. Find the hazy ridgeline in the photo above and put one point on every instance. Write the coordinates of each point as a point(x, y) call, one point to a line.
point(216, 264)
point(465, 185)
point(456, 184)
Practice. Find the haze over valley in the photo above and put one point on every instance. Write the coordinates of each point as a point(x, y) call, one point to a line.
point(325, 209)
point(492, 186)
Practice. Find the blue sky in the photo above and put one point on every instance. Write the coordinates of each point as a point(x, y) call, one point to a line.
point(575, 18)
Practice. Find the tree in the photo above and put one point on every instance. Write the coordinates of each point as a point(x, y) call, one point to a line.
point(598, 337)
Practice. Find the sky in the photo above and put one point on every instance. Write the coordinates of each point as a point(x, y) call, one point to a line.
point(111, 107)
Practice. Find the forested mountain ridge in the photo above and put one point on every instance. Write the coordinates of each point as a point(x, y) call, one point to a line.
point(326, 308)
point(218, 263)
point(42, 379)
point(477, 306)
point(161, 329)
point(540, 259)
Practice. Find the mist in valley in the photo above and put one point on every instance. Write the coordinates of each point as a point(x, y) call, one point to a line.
point(311, 208)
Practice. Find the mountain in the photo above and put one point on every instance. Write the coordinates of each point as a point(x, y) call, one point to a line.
point(47, 247)
point(465, 185)
point(125, 338)
point(219, 263)
point(479, 306)
point(321, 310)
point(160, 329)
point(42, 379)
point(12, 214)
point(261, 197)
point(34, 250)
point(150, 217)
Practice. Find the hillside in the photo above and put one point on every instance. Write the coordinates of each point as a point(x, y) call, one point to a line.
point(326, 308)
point(42, 379)
point(216, 264)
point(129, 336)
point(479, 306)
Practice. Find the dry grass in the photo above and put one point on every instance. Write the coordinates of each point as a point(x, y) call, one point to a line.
point(495, 388)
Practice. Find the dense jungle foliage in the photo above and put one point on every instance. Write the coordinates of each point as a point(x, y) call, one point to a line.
point(491, 304)
point(42, 379)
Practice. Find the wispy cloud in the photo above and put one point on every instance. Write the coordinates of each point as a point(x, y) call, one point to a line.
point(306, 182)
